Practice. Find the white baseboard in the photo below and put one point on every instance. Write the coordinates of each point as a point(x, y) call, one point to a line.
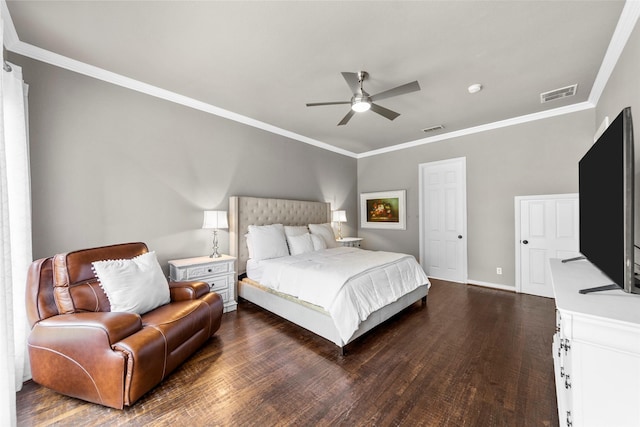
point(492, 285)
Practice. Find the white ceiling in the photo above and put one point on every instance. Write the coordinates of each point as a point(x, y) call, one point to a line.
point(260, 62)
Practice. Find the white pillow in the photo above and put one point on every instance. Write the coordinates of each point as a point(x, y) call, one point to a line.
point(318, 242)
point(135, 285)
point(300, 244)
point(246, 236)
point(326, 232)
point(295, 230)
point(267, 241)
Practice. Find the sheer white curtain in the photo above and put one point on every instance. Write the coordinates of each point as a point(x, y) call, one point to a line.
point(15, 238)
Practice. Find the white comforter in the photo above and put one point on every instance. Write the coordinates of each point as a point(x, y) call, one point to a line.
point(349, 283)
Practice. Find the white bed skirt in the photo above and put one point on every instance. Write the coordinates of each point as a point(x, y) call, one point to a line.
point(316, 319)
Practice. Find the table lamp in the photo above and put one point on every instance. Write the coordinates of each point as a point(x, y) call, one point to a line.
point(339, 217)
point(215, 220)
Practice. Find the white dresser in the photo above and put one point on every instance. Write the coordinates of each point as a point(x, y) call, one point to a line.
point(219, 273)
point(596, 349)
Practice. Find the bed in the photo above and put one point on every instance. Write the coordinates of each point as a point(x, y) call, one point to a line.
point(247, 213)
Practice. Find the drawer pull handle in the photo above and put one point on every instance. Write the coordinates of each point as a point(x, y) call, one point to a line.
point(209, 270)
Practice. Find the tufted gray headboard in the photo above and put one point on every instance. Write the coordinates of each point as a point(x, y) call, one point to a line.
point(245, 211)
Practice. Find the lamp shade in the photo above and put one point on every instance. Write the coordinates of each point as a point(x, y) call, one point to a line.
point(339, 216)
point(215, 219)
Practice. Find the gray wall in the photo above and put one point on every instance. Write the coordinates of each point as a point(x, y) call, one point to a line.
point(112, 165)
point(623, 90)
point(534, 158)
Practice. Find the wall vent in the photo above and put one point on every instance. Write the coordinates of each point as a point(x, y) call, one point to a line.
point(563, 92)
point(433, 128)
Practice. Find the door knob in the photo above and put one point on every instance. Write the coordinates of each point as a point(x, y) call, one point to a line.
point(525, 242)
point(459, 236)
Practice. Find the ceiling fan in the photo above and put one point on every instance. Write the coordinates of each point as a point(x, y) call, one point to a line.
point(361, 101)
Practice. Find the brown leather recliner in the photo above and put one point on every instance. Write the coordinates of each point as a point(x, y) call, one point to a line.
point(79, 348)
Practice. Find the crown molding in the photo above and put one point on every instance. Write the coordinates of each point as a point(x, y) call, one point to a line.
point(621, 34)
point(483, 128)
point(48, 57)
point(626, 23)
point(13, 44)
point(9, 34)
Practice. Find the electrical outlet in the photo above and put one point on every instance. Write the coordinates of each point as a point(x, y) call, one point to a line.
point(498, 270)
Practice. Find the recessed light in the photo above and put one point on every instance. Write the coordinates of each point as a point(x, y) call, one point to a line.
point(475, 88)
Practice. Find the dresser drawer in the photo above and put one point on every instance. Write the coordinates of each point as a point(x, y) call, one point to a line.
point(219, 282)
point(198, 272)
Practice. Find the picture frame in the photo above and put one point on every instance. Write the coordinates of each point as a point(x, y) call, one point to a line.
point(383, 210)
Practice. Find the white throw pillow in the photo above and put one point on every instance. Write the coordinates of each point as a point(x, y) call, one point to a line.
point(326, 232)
point(318, 242)
point(135, 285)
point(248, 239)
point(267, 241)
point(295, 230)
point(300, 244)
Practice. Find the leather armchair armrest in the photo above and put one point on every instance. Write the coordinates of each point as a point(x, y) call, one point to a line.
point(184, 291)
point(75, 354)
point(115, 326)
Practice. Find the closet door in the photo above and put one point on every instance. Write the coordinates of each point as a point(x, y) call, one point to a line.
point(546, 227)
point(443, 219)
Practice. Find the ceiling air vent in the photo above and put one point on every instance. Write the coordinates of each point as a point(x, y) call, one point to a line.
point(563, 92)
point(433, 128)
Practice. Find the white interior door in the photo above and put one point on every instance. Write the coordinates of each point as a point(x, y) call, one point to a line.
point(546, 227)
point(443, 219)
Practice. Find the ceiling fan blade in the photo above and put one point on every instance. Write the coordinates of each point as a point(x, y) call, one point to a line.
point(316, 104)
point(346, 118)
point(385, 112)
point(352, 81)
point(399, 90)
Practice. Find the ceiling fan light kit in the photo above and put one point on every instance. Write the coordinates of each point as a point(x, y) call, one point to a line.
point(361, 101)
point(360, 105)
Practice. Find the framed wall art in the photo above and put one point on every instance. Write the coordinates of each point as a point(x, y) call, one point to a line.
point(384, 209)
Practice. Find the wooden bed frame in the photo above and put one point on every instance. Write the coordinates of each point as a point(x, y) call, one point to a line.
point(245, 211)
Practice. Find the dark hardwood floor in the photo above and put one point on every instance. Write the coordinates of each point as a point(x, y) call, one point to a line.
point(471, 357)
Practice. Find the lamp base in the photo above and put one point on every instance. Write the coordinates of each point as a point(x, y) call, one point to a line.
point(215, 253)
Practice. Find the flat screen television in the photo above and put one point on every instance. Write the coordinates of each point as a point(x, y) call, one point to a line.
point(606, 189)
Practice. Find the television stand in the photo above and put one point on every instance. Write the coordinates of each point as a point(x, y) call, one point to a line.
point(596, 355)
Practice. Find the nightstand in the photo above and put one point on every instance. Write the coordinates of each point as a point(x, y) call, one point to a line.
point(352, 242)
point(219, 273)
